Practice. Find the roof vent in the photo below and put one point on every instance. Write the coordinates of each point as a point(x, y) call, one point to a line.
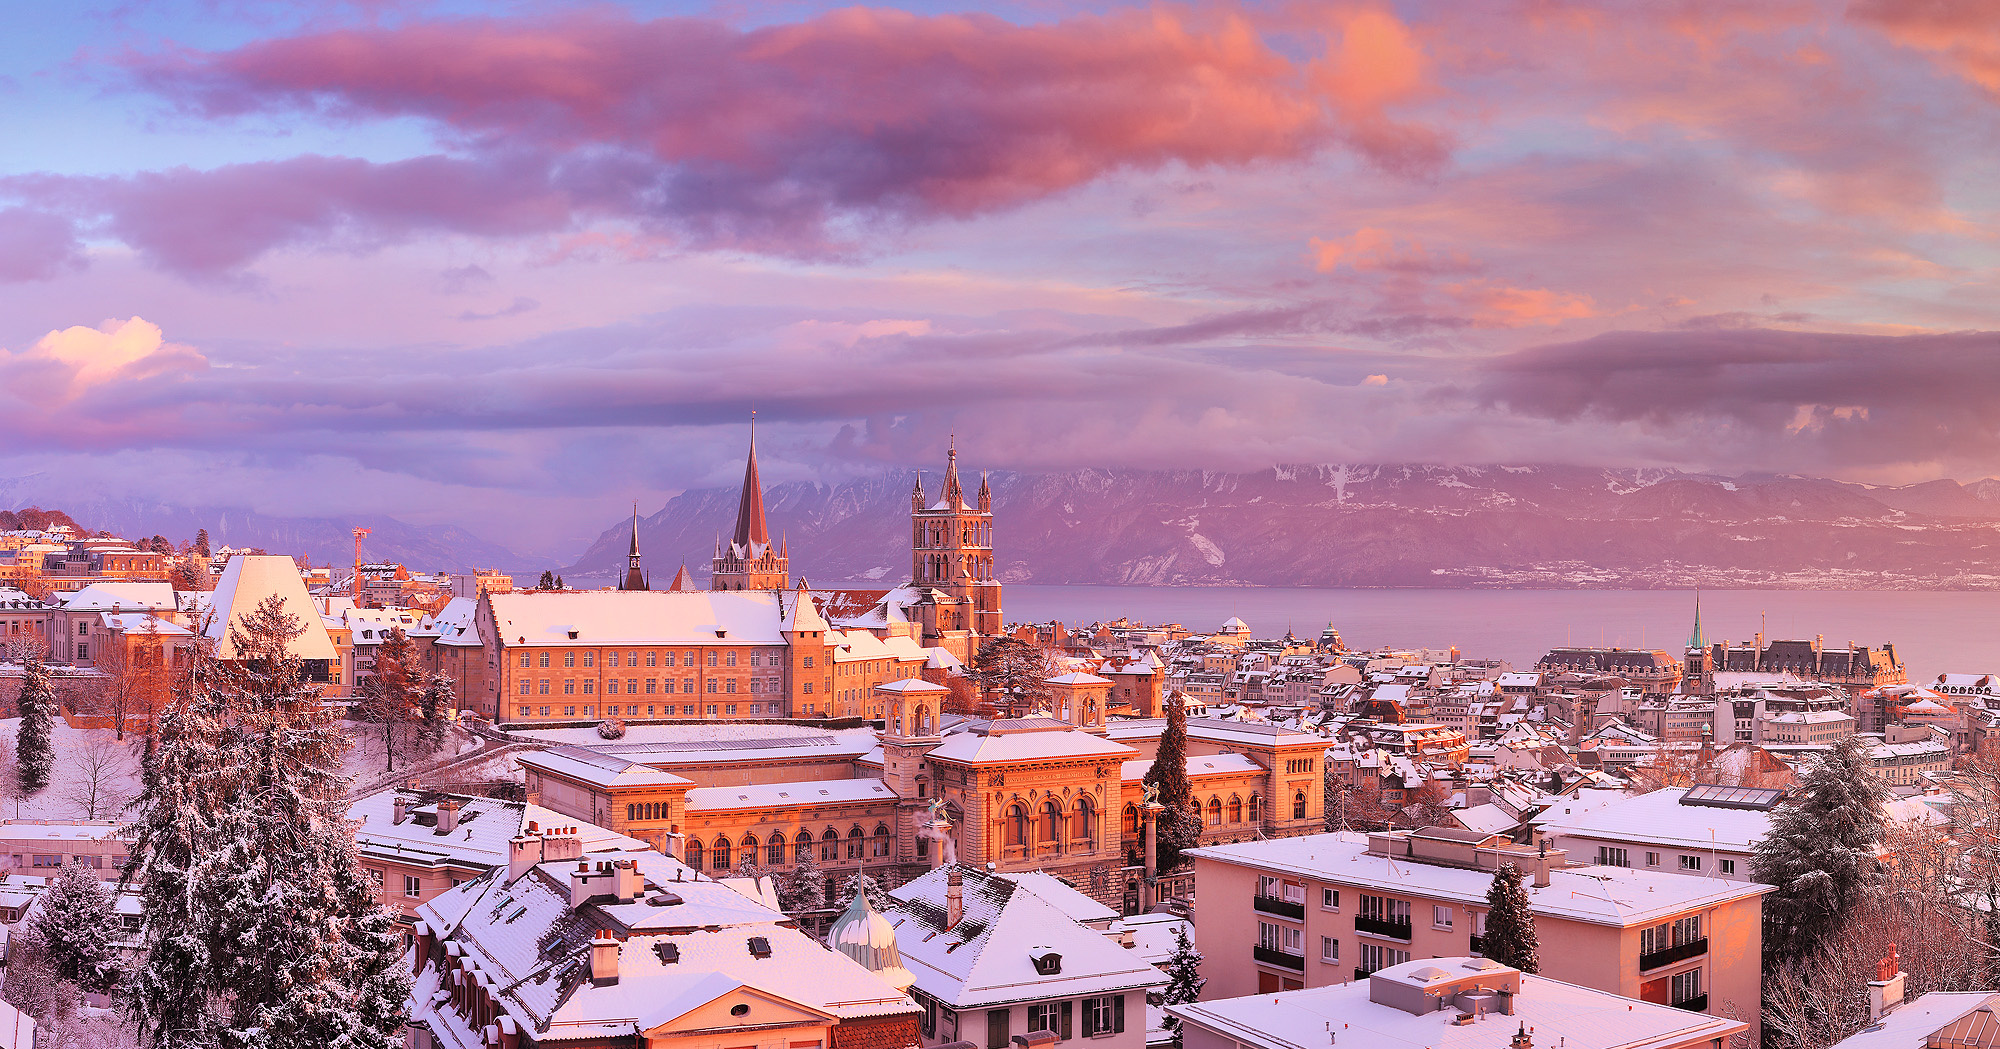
point(573, 633)
point(664, 899)
point(760, 947)
point(670, 953)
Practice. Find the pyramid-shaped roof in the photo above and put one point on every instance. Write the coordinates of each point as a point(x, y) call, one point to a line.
point(245, 583)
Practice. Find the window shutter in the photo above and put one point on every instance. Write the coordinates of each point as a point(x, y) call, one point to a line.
point(1065, 1018)
point(1118, 1014)
point(1089, 1017)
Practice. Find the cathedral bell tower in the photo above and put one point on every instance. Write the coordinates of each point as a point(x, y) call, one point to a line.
point(750, 562)
point(951, 554)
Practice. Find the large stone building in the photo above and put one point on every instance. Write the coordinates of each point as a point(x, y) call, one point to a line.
point(1061, 793)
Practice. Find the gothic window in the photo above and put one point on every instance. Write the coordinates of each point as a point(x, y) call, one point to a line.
point(829, 846)
point(1215, 812)
point(1052, 820)
point(1235, 809)
point(802, 847)
point(854, 840)
point(721, 854)
point(881, 843)
point(1254, 803)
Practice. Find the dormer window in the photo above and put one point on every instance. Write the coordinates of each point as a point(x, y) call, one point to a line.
point(1047, 961)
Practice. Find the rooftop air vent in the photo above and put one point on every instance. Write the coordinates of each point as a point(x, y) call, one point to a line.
point(760, 947)
point(670, 953)
point(664, 899)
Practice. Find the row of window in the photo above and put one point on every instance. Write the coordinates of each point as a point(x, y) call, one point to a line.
point(654, 686)
point(654, 659)
point(1611, 857)
point(1046, 828)
point(631, 710)
point(720, 857)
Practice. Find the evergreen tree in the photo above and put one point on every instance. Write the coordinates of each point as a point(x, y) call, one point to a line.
point(803, 888)
point(878, 897)
point(1510, 923)
point(260, 930)
point(1820, 853)
point(559, 584)
point(434, 707)
point(34, 749)
point(74, 920)
point(200, 548)
point(1014, 672)
point(547, 581)
point(1178, 826)
point(388, 694)
point(1184, 978)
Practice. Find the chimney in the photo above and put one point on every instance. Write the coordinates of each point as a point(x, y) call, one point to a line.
point(603, 959)
point(562, 843)
point(402, 810)
point(954, 898)
point(1542, 865)
point(626, 880)
point(586, 882)
point(1885, 991)
point(1522, 1039)
point(447, 820)
point(524, 850)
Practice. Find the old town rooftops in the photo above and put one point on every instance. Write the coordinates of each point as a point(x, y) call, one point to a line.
point(480, 829)
point(1662, 818)
point(599, 618)
point(1215, 730)
point(1600, 895)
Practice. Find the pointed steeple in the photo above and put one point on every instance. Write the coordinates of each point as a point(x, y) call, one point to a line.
point(1695, 639)
point(635, 579)
point(683, 582)
point(917, 493)
point(752, 534)
point(954, 496)
point(985, 492)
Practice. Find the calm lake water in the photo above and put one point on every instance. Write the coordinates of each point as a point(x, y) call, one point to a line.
point(1934, 633)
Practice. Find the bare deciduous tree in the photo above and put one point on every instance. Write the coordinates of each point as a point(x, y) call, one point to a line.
point(103, 777)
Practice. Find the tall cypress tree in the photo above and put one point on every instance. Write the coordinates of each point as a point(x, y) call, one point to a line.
point(1820, 853)
point(261, 932)
point(74, 920)
point(1510, 922)
point(34, 750)
point(1178, 826)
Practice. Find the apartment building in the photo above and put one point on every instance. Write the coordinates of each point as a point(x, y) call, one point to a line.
point(1326, 909)
point(1707, 831)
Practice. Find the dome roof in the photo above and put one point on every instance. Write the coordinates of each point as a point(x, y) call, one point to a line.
point(863, 934)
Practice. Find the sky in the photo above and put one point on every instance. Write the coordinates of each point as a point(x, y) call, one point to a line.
point(514, 265)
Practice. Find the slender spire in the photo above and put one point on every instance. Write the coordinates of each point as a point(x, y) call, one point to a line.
point(954, 496)
point(635, 579)
point(1695, 640)
point(752, 534)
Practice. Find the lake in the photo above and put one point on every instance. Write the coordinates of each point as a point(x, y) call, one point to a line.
point(1934, 633)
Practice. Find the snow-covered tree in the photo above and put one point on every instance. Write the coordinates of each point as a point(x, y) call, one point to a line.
point(34, 749)
point(261, 932)
point(1510, 923)
point(74, 919)
point(1178, 826)
point(1820, 853)
point(389, 693)
point(878, 897)
point(803, 888)
point(1184, 978)
point(434, 706)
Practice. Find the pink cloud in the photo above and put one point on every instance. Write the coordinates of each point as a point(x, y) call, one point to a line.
point(1964, 35)
point(36, 245)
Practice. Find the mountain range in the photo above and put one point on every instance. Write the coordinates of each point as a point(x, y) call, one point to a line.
point(1376, 526)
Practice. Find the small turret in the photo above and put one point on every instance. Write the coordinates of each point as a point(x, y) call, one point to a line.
point(985, 493)
point(917, 493)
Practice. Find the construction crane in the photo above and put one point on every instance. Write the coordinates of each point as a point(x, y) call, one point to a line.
point(359, 534)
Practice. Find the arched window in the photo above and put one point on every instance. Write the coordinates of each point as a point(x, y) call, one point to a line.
point(720, 855)
point(1052, 821)
point(1017, 825)
point(1255, 804)
point(802, 849)
point(774, 850)
point(1215, 812)
point(923, 721)
point(1235, 809)
point(854, 840)
point(1299, 805)
point(1083, 821)
point(829, 846)
point(880, 846)
point(1132, 827)
point(694, 851)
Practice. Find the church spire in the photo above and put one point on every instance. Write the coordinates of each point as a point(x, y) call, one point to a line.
point(954, 496)
point(635, 579)
point(752, 534)
point(1695, 640)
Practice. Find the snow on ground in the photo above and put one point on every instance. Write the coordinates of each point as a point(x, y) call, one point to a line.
point(364, 759)
point(81, 756)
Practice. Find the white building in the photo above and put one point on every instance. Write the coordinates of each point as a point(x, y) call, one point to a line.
point(1707, 831)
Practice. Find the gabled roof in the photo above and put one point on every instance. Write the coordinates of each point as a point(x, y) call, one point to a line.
point(248, 581)
point(125, 595)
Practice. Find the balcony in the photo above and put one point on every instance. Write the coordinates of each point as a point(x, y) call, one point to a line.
point(1274, 956)
point(1379, 927)
point(1696, 1004)
point(1281, 908)
point(1679, 952)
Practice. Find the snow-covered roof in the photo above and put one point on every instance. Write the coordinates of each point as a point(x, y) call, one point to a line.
point(601, 770)
point(135, 623)
point(1659, 818)
point(1025, 739)
point(1062, 896)
point(455, 625)
point(1078, 679)
point(911, 686)
point(247, 582)
point(1198, 765)
point(1600, 895)
point(1911, 1025)
point(60, 830)
point(644, 617)
point(479, 841)
point(120, 594)
point(1559, 1013)
point(767, 795)
point(987, 959)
